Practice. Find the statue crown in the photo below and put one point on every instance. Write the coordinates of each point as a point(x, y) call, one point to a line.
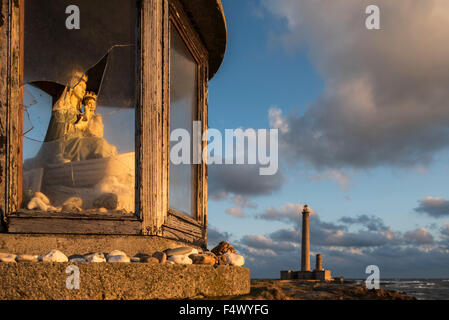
point(90, 95)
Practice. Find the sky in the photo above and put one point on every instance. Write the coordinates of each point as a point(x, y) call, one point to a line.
point(362, 118)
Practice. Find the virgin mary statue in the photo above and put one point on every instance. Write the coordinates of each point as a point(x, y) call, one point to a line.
point(71, 134)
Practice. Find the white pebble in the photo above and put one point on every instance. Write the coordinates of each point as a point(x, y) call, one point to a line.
point(116, 253)
point(95, 257)
point(37, 204)
point(180, 259)
point(7, 257)
point(54, 256)
point(234, 259)
point(124, 259)
point(43, 197)
point(54, 209)
point(27, 258)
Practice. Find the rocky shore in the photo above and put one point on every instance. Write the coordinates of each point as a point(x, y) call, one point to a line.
point(314, 290)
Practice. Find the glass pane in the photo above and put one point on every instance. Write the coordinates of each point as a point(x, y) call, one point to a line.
point(79, 107)
point(183, 106)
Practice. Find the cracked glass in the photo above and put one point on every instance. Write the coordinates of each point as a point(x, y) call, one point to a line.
point(79, 96)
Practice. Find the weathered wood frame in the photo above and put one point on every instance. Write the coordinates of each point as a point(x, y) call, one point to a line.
point(177, 225)
point(153, 216)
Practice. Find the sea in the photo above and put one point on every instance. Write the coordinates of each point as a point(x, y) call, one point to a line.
point(421, 289)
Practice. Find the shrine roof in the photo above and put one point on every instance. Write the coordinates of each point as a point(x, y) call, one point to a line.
point(209, 20)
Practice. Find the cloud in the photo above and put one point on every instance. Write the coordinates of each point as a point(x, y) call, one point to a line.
point(444, 236)
point(419, 236)
point(359, 239)
point(328, 233)
point(266, 260)
point(342, 178)
point(241, 180)
point(434, 207)
point(385, 96)
point(339, 176)
point(372, 223)
point(445, 229)
point(334, 236)
point(260, 242)
point(414, 253)
point(218, 195)
point(236, 212)
point(289, 235)
point(243, 202)
point(257, 242)
point(290, 212)
point(215, 236)
point(276, 120)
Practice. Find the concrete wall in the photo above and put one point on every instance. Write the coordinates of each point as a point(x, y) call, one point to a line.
point(120, 281)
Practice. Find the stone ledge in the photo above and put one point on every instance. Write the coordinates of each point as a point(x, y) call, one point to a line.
point(117, 281)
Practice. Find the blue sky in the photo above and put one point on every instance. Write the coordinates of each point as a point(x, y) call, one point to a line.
point(256, 74)
point(279, 57)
